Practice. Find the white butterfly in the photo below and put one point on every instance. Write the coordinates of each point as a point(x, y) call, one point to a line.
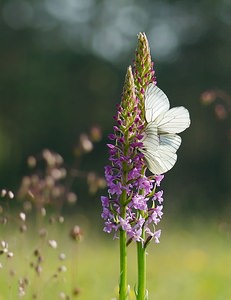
point(160, 139)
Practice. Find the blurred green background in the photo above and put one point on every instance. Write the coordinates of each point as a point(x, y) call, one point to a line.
point(62, 69)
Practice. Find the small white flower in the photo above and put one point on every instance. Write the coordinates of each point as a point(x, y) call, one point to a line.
point(21, 291)
point(22, 216)
point(160, 140)
point(62, 256)
point(53, 244)
point(4, 247)
point(62, 269)
point(62, 295)
point(10, 194)
point(10, 254)
point(3, 192)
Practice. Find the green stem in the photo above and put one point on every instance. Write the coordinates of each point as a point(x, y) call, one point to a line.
point(141, 260)
point(123, 260)
point(123, 292)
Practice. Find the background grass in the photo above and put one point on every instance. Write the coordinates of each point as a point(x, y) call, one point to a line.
point(192, 261)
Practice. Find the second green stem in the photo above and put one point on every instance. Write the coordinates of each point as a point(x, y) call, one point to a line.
point(141, 261)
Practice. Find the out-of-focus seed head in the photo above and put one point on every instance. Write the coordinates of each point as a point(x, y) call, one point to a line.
point(62, 295)
point(3, 193)
point(50, 182)
point(38, 269)
point(22, 216)
point(12, 273)
point(37, 252)
point(3, 220)
point(86, 143)
point(31, 161)
point(53, 244)
point(43, 232)
point(95, 182)
point(95, 134)
point(35, 179)
point(220, 111)
point(10, 254)
point(52, 220)
point(23, 228)
point(10, 194)
point(61, 219)
point(59, 159)
point(62, 256)
point(26, 181)
point(58, 174)
point(71, 198)
point(101, 183)
point(49, 157)
point(76, 291)
point(43, 211)
point(27, 206)
point(57, 191)
point(76, 233)
point(21, 291)
point(208, 97)
point(4, 246)
point(40, 259)
point(62, 269)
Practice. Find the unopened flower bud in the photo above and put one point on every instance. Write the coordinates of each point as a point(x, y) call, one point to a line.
point(76, 233)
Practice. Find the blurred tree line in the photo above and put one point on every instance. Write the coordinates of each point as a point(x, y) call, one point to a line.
point(62, 69)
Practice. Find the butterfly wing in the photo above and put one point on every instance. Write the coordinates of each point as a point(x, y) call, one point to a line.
point(160, 161)
point(156, 102)
point(174, 120)
point(151, 138)
point(165, 157)
point(170, 142)
point(160, 151)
